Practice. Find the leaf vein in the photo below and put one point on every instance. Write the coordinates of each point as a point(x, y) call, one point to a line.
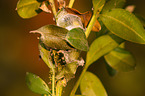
point(124, 25)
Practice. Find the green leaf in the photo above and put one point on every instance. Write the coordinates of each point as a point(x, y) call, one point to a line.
point(36, 84)
point(113, 4)
point(45, 55)
point(142, 19)
point(92, 86)
point(28, 8)
point(122, 45)
point(103, 30)
point(125, 25)
point(110, 70)
point(102, 46)
point(120, 60)
point(98, 5)
point(76, 37)
point(53, 37)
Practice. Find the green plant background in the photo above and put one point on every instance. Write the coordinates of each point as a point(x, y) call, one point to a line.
point(19, 53)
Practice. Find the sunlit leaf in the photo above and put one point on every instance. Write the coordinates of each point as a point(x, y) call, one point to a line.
point(125, 25)
point(53, 37)
point(36, 84)
point(102, 46)
point(113, 4)
point(28, 8)
point(92, 86)
point(76, 37)
point(97, 5)
point(120, 59)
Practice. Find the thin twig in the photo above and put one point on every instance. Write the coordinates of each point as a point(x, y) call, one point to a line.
point(78, 82)
point(71, 2)
point(91, 24)
point(53, 82)
point(52, 4)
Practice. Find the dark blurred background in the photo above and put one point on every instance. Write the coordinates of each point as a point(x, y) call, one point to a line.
point(19, 54)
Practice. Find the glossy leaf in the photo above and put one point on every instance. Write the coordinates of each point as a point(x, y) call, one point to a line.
point(120, 60)
point(113, 4)
point(36, 84)
point(102, 46)
point(92, 86)
point(97, 5)
point(28, 8)
point(76, 37)
point(125, 25)
point(53, 37)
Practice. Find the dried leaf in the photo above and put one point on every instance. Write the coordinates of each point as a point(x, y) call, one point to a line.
point(44, 7)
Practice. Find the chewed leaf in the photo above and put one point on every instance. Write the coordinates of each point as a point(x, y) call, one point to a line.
point(76, 37)
point(120, 59)
point(72, 61)
point(28, 8)
point(92, 86)
point(36, 84)
point(67, 71)
point(53, 37)
point(125, 25)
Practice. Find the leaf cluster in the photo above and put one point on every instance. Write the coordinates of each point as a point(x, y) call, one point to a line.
point(61, 44)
